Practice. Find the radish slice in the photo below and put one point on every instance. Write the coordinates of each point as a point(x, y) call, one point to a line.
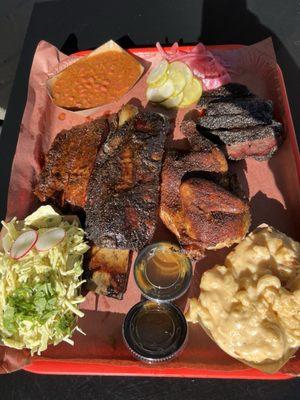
point(23, 244)
point(50, 238)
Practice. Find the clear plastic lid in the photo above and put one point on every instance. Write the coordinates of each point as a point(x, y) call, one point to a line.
point(161, 272)
point(155, 332)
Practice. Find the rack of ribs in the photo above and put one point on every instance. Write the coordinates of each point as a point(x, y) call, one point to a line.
point(64, 180)
point(123, 192)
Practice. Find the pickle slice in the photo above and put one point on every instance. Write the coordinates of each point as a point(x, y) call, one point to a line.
point(178, 66)
point(178, 80)
point(157, 72)
point(161, 81)
point(160, 93)
point(173, 101)
point(192, 93)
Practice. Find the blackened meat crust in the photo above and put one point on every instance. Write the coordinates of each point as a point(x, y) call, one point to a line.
point(240, 135)
point(246, 106)
point(123, 193)
point(234, 121)
point(196, 141)
point(229, 91)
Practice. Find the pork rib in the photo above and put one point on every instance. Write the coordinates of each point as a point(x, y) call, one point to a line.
point(69, 163)
point(123, 193)
point(109, 269)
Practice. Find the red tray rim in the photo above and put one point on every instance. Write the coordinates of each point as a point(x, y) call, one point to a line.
point(40, 365)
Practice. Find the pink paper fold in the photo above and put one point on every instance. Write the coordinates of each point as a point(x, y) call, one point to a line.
point(271, 186)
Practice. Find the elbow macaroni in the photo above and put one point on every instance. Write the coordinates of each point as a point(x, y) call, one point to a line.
point(251, 305)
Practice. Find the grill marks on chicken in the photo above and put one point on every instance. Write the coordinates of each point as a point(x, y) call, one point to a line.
point(202, 214)
point(69, 164)
point(240, 122)
point(123, 194)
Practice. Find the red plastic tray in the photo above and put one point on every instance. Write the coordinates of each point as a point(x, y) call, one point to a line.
point(54, 366)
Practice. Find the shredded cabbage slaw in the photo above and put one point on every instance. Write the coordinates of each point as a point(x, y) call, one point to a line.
point(39, 293)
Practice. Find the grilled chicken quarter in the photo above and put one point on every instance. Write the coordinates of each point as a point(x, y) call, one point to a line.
point(201, 213)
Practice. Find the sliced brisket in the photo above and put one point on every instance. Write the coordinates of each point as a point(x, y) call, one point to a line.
point(234, 121)
point(253, 106)
point(229, 90)
point(238, 135)
point(261, 148)
point(239, 122)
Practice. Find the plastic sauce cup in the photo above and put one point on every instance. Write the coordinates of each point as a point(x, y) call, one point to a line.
point(155, 332)
point(162, 273)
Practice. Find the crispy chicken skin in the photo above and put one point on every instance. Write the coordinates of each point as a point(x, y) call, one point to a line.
point(213, 216)
point(201, 213)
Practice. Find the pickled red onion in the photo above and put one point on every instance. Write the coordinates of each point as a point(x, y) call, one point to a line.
point(201, 61)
